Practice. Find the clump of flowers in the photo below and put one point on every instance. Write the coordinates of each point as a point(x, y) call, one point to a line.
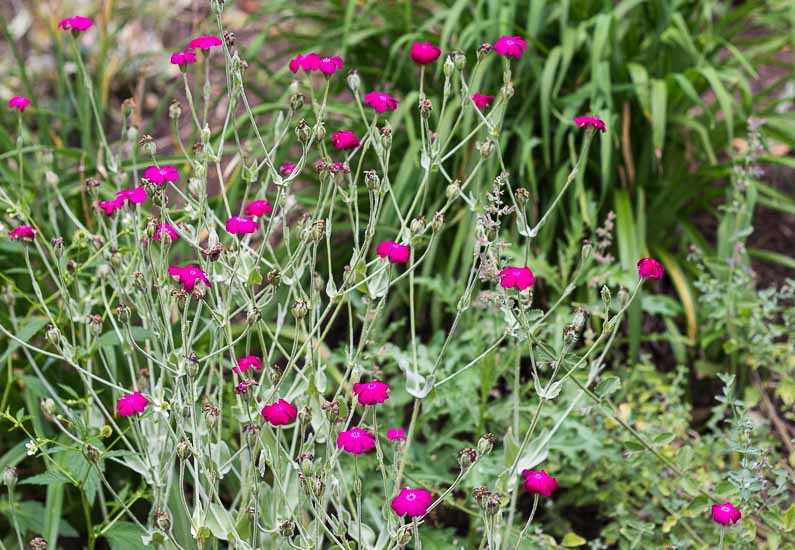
point(397, 253)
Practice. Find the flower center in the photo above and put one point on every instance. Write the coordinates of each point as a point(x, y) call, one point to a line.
point(355, 435)
point(509, 42)
point(371, 386)
point(411, 496)
point(725, 508)
point(538, 476)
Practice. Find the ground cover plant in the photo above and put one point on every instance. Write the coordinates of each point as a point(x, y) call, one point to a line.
point(397, 275)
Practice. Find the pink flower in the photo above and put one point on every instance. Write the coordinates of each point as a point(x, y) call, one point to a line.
point(423, 53)
point(238, 225)
point(396, 434)
point(372, 392)
point(327, 65)
point(539, 483)
point(586, 121)
point(482, 100)
point(412, 502)
point(244, 363)
point(519, 277)
point(109, 207)
point(188, 275)
point(725, 513)
point(344, 140)
point(204, 42)
point(135, 196)
point(258, 208)
point(24, 232)
point(19, 102)
point(512, 46)
point(131, 404)
point(172, 233)
point(298, 63)
point(380, 102)
point(286, 169)
point(75, 23)
point(649, 268)
point(183, 58)
point(161, 175)
point(397, 253)
point(355, 441)
point(280, 413)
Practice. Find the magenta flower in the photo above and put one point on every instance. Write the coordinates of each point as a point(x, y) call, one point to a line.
point(24, 232)
point(482, 100)
point(512, 46)
point(75, 23)
point(355, 441)
point(280, 413)
point(135, 196)
point(412, 502)
point(170, 231)
point(18, 102)
point(258, 208)
point(397, 253)
point(372, 392)
point(109, 207)
point(183, 58)
point(649, 268)
point(725, 513)
point(238, 225)
point(380, 102)
point(539, 483)
point(344, 140)
point(327, 65)
point(204, 42)
point(131, 404)
point(286, 169)
point(298, 62)
point(396, 434)
point(423, 53)
point(161, 175)
point(244, 363)
point(519, 277)
point(593, 122)
point(188, 275)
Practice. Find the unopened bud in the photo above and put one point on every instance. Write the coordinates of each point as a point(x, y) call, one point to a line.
point(486, 443)
point(453, 189)
point(354, 82)
point(297, 102)
point(163, 520)
point(91, 453)
point(371, 180)
point(53, 335)
point(605, 292)
point(487, 148)
point(437, 222)
point(47, 408)
point(184, 449)
point(123, 313)
point(147, 145)
point(10, 477)
point(302, 131)
point(467, 457)
point(417, 225)
point(38, 543)
point(300, 309)
point(287, 529)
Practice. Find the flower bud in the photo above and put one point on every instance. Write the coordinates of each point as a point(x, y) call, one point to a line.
point(486, 443)
point(195, 187)
point(332, 410)
point(91, 453)
point(163, 521)
point(354, 82)
point(38, 543)
point(467, 457)
point(404, 535)
point(449, 67)
point(623, 296)
point(47, 408)
point(453, 189)
point(287, 529)
point(253, 315)
point(580, 318)
point(123, 313)
point(296, 102)
point(132, 134)
point(371, 180)
point(306, 462)
point(184, 449)
point(51, 178)
point(10, 477)
point(53, 335)
point(174, 109)
point(273, 277)
point(426, 106)
point(484, 50)
point(320, 131)
point(386, 136)
point(300, 309)
point(317, 230)
point(58, 246)
point(522, 195)
point(252, 435)
point(585, 251)
point(302, 131)
point(487, 148)
point(605, 292)
point(147, 145)
point(459, 59)
point(105, 431)
point(417, 225)
point(437, 222)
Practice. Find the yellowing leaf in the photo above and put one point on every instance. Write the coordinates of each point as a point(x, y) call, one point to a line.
point(668, 524)
point(572, 540)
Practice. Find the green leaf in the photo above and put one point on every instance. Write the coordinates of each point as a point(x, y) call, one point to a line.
point(46, 478)
point(607, 386)
point(124, 535)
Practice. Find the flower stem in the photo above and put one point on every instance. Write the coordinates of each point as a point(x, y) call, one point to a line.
point(527, 525)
